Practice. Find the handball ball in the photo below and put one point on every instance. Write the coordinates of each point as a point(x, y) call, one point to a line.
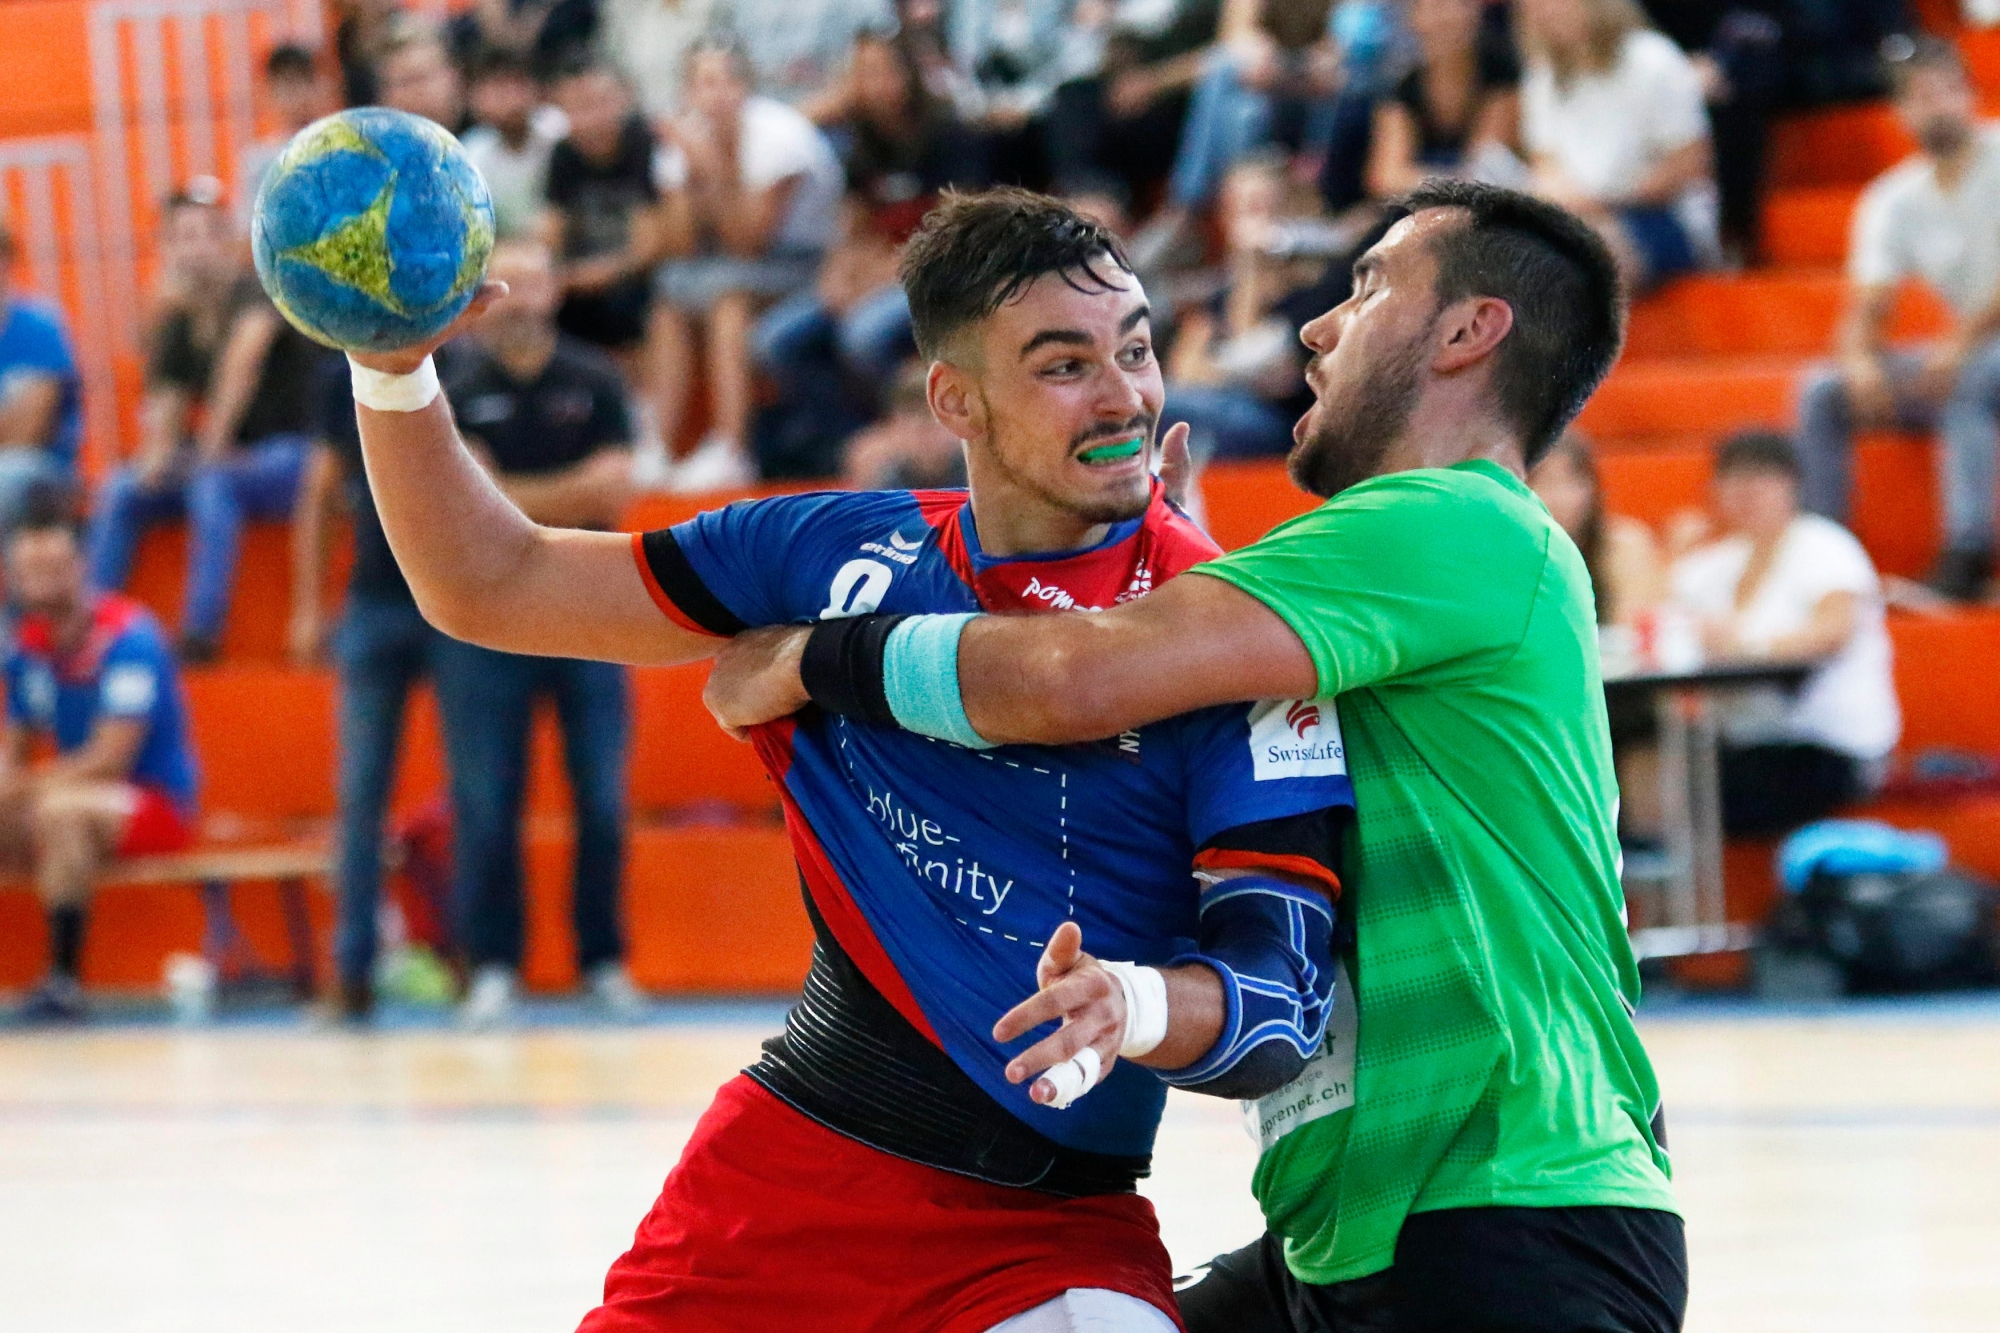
point(372, 230)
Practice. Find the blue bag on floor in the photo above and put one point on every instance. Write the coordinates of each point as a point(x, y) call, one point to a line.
point(1857, 847)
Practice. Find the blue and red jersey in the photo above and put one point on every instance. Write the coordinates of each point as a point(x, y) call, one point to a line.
point(941, 871)
point(123, 669)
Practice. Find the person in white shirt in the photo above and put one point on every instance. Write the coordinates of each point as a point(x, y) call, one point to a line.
point(760, 188)
point(1932, 217)
point(1616, 129)
point(647, 42)
point(1784, 586)
point(511, 139)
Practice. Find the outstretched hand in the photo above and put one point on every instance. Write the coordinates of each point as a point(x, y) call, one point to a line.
point(756, 678)
point(1075, 988)
point(403, 360)
point(1176, 464)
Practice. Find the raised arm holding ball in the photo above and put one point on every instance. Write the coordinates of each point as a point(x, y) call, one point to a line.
point(908, 1154)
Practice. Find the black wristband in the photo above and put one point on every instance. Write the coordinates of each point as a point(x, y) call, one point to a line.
point(842, 667)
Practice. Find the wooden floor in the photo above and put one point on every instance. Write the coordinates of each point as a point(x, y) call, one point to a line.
point(1839, 1172)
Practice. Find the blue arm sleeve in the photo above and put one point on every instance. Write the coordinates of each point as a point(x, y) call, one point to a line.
point(1271, 943)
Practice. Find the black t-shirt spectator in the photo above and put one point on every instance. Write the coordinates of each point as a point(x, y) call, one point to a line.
point(1498, 71)
point(598, 199)
point(282, 402)
point(574, 408)
point(374, 574)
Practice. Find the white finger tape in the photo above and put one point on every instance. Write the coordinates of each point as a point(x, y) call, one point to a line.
point(1145, 1007)
point(383, 392)
point(1074, 1077)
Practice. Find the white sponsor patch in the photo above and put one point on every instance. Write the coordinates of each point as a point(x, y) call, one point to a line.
point(129, 689)
point(1295, 738)
point(1325, 1085)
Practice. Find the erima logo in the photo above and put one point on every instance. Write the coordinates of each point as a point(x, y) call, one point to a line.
point(899, 549)
point(1294, 738)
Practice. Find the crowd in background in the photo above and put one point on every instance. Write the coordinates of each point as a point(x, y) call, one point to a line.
point(700, 203)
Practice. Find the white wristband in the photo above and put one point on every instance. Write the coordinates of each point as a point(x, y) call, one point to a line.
point(382, 392)
point(1145, 1008)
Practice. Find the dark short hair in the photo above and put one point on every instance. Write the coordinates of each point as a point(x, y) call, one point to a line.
point(1903, 57)
point(499, 62)
point(975, 252)
point(1557, 276)
point(582, 64)
point(47, 506)
point(725, 44)
point(1757, 451)
point(289, 60)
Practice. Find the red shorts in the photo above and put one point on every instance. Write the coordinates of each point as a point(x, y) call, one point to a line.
point(772, 1221)
point(155, 826)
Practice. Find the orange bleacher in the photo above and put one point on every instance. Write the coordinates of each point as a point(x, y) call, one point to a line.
point(711, 892)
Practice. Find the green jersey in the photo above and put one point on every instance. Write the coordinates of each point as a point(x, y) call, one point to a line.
point(1490, 1057)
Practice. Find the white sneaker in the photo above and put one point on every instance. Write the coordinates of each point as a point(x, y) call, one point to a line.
point(490, 1001)
point(718, 463)
point(611, 986)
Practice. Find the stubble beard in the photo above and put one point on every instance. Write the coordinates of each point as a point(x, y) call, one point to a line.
point(1355, 435)
point(1116, 509)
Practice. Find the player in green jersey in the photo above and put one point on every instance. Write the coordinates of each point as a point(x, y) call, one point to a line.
point(1480, 1146)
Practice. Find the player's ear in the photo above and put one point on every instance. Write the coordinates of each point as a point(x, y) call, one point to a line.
point(1469, 331)
point(957, 408)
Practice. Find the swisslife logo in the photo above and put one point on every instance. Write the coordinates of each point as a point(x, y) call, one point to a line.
point(1295, 738)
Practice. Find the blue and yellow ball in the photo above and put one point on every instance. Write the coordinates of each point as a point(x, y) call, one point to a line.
point(371, 230)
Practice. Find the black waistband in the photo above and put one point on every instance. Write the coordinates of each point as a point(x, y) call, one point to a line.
point(849, 1060)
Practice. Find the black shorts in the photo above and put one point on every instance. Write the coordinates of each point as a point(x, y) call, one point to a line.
point(1466, 1270)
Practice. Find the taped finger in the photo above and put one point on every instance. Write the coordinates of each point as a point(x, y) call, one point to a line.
point(1074, 1076)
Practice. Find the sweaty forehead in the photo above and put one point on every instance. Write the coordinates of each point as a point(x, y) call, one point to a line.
point(1074, 296)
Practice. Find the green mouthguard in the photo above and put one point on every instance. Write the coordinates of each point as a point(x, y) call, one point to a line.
point(1105, 453)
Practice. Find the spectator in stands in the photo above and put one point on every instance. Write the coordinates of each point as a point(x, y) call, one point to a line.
point(797, 49)
point(1276, 72)
point(1457, 110)
point(362, 32)
point(834, 347)
point(41, 394)
point(1931, 217)
point(1121, 111)
point(1781, 586)
point(419, 76)
point(647, 42)
point(382, 648)
point(222, 424)
point(1236, 374)
point(91, 673)
point(546, 33)
point(1614, 123)
point(298, 93)
point(907, 449)
point(511, 139)
point(761, 190)
point(1620, 552)
point(548, 415)
point(1014, 54)
point(605, 220)
point(1738, 51)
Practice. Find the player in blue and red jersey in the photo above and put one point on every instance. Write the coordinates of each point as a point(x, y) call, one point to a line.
point(897, 1159)
point(91, 673)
